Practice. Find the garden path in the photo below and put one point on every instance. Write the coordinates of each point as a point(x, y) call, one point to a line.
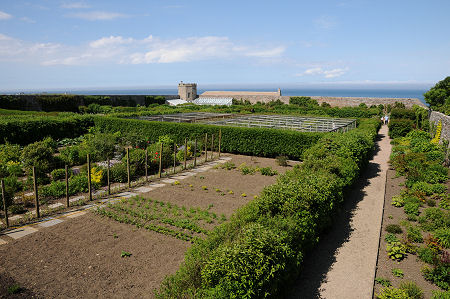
point(343, 265)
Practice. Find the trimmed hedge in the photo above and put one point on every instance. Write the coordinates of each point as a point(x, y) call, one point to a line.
point(398, 113)
point(247, 141)
point(261, 248)
point(25, 130)
point(400, 127)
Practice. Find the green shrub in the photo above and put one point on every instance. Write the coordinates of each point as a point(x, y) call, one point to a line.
point(426, 188)
point(398, 201)
point(303, 101)
point(396, 250)
point(431, 202)
point(392, 293)
point(16, 209)
point(434, 218)
point(440, 294)
point(426, 254)
point(439, 275)
point(414, 234)
point(40, 155)
point(412, 208)
point(59, 174)
point(246, 169)
point(398, 272)
point(399, 113)
point(118, 173)
point(227, 165)
point(443, 235)
point(394, 229)
point(137, 161)
point(438, 188)
point(56, 189)
point(78, 184)
point(12, 185)
point(264, 142)
point(412, 289)
point(73, 155)
point(399, 127)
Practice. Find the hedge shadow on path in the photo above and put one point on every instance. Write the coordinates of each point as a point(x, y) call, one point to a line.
point(319, 262)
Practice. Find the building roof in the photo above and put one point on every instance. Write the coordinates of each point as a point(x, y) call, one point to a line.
point(176, 102)
point(213, 101)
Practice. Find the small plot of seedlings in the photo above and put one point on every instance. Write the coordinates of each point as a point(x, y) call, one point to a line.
point(125, 254)
point(162, 217)
point(398, 272)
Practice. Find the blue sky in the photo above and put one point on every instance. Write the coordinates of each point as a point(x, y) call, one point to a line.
point(79, 44)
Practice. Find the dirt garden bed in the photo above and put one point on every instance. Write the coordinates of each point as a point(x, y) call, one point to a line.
point(88, 256)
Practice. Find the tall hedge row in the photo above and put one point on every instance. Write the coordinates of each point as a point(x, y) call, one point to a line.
point(247, 141)
point(28, 129)
point(260, 250)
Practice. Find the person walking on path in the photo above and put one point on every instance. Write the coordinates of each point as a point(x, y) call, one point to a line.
point(386, 119)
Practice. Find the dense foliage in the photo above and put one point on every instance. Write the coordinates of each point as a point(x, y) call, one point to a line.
point(403, 120)
point(261, 248)
point(247, 141)
point(439, 96)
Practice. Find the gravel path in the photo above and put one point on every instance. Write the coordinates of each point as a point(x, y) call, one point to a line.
point(343, 265)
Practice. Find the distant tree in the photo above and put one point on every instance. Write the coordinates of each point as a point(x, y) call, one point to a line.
point(439, 96)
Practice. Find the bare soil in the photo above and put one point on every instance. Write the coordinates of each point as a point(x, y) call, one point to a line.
point(81, 257)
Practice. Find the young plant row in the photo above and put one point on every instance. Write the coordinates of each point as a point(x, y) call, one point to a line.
point(261, 248)
point(142, 212)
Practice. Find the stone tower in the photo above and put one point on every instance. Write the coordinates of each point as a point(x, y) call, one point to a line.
point(187, 91)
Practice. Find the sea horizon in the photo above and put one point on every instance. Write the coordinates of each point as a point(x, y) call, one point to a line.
point(326, 92)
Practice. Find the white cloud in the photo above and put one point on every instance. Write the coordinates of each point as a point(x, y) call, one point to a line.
point(127, 50)
point(325, 22)
point(97, 15)
point(4, 16)
point(27, 19)
point(319, 71)
point(74, 5)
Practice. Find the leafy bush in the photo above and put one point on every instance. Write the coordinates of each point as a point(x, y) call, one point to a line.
point(398, 201)
point(246, 169)
point(439, 96)
point(73, 155)
point(426, 188)
point(303, 101)
point(392, 293)
point(56, 189)
point(78, 184)
point(438, 188)
point(40, 155)
point(12, 185)
point(394, 229)
point(59, 174)
point(434, 218)
point(399, 113)
point(443, 235)
point(414, 234)
point(397, 272)
point(118, 173)
point(426, 254)
point(439, 275)
point(399, 127)
point(396, 250)
point(412, 208)
point(383, 281)
point(264, 142)
point(440, 294)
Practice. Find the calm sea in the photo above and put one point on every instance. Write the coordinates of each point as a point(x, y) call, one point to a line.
point(377, 93)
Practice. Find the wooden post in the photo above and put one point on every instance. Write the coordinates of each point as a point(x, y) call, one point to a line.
point(195, 152)
point(89, 176)
point(128, 168)
point(174, 157)
point(146, 166)
point(67, 185)
point(220, 140)
point(212, 146)
point(107, 177)
point(160, 160)
point(206, 147)
point(5, 208)
point(185, 152)
point(36, 195)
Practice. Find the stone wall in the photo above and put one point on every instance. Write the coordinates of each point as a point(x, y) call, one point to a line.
point(435, 117)
point(333, 101)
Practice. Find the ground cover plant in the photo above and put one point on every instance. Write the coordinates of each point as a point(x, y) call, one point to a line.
point(261, 248)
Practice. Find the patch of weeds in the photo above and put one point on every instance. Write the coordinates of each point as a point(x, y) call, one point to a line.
point(440, 294)
point(115, 236)
point(230, 192)
point(392, 293)
point(204, 188)
point(210, 206)
point(443, 236)
point(398, 272)
point(125, 254)
point(244, 195)
point(14, 289)
point(176, 183)
point(227, 165)
point(246, 169)
point(439, 275)
point(218, 190)
point(391, 217)
point(394, 229)
point(255, 197)
point(223, 194)
point(383, 281)
point(222, 217)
